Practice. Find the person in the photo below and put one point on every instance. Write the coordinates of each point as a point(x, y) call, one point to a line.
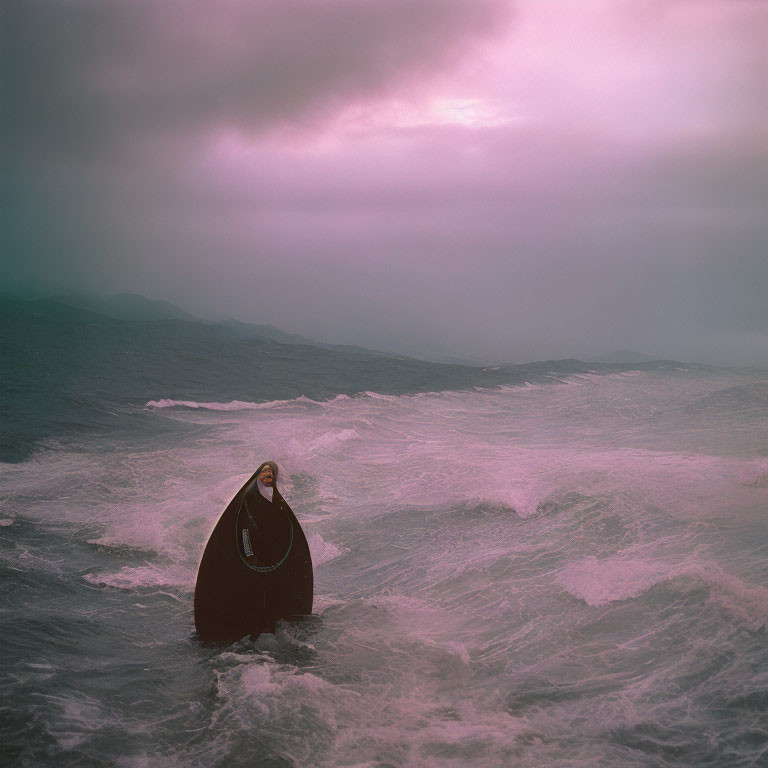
point(263, 573)
point(266, 530)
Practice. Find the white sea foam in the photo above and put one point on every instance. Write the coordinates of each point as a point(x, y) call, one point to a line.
point(321, 550)
point(513, 447)
point(332, 439)
point(756, 474)
point(601, 582)
point(232, 405)
point(523, 497)
point(747, 604)
point(143, 577)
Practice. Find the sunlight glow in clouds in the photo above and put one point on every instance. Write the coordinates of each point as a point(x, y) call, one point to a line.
point(473, 112)
point(365, 120)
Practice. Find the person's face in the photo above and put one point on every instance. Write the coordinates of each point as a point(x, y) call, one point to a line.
point(266, 475)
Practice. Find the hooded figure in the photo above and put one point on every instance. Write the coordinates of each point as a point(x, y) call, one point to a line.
point(265, 530)
point(256, 567)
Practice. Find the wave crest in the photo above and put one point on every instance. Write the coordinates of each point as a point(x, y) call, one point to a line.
point(601, 582)
point(232, 405)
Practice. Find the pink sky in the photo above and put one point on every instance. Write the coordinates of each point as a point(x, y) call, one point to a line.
point(512, 181)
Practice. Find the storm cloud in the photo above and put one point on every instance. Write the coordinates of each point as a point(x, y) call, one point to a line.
point(86, 75)
point(433, 176)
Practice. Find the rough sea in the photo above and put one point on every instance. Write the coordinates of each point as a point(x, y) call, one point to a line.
point(566, 569)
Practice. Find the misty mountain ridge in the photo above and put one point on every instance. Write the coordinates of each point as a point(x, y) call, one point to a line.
point(135, 307)
point(125, 306)
point(624, 356)
point(267, 331)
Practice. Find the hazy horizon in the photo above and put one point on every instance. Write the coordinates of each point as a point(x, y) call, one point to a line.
point(82, 301)
point(494, 180)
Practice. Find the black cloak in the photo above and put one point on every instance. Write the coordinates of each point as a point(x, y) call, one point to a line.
point(256, 567)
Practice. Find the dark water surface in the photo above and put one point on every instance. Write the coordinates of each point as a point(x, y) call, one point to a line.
point(567, 574)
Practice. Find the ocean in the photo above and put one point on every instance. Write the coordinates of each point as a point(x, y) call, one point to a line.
point(558, 564)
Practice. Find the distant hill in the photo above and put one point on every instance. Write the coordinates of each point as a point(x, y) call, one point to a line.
point(134, 307)
point(125, 306)
point(266, 331)
point(624, 356)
